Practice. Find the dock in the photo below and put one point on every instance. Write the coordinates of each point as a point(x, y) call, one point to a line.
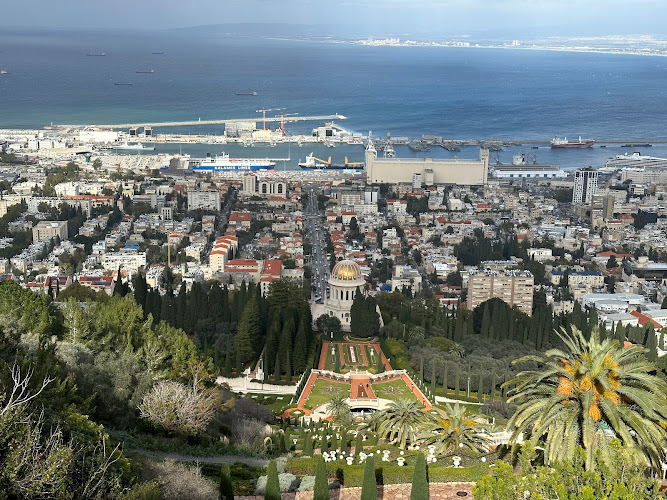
point(192, 123)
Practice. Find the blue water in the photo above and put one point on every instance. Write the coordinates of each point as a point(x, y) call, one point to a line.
point(453, 92)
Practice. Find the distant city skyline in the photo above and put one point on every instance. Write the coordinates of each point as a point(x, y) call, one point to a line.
point(513, 17)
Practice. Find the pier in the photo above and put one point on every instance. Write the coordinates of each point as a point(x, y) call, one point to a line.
point(191, 123)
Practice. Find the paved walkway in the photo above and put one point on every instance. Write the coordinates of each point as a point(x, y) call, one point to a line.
point(361, 387)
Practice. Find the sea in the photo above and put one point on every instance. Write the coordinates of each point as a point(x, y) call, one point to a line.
point(457, 93)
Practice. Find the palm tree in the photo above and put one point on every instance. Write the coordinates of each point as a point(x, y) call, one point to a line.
point(587, 392)
point(372, 422)
point(454, 429)
point(337, 407)
point(400, 421)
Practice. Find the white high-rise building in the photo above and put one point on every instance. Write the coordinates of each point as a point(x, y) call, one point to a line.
point(585, 185)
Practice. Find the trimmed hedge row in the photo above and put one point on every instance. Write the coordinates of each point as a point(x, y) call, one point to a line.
point(353, 475)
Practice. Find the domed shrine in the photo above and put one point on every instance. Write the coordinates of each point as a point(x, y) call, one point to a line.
point(345, 279)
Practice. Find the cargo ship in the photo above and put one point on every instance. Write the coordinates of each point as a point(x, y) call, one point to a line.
point(313, 163)
point(564, 143)
point(224, 162)
point(146, 72)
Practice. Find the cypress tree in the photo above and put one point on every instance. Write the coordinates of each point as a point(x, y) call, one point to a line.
point(652, 344)
point(369, 486)
point(343, 440)
point(433, 377)
point(421, 369)
point(272, 484)
point(662, 340)
point(457, 381)
point(140, 291)
point(288, 369)
point(486, 321)
point(278, 371)
point(470, 327)
point(444, 378)
point(511, 332)
point(493, 385)
point(181, 305)
point(458, 330)
point(228, 355)
point(300, 349)
point(380, 364)
point(324, 443)
point(359, 445)
point(480, 390)
point(287, 437)
point(337, 367)
point(419, 489)
point(334, 441)
point(308, 445)
point(321, 489)
point(226, 488)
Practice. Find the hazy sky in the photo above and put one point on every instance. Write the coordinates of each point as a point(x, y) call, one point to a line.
point(448, 16)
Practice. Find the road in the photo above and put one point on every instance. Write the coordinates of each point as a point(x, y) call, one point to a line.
point(319, 262)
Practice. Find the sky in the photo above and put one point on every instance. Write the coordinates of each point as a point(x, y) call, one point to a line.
point(548, 17)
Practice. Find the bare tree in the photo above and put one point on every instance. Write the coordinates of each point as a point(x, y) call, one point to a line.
point(20, 393)
point(245, 430)
point(178, 407)
point(180, 482)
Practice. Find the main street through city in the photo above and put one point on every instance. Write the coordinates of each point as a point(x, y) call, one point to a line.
point(319, 262)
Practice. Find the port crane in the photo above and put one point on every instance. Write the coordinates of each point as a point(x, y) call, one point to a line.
point(263, 111)
point(283, 121)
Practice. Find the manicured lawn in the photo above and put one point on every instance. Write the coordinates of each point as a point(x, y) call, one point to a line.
point(324, 390)
point(394, 390)
point(277, 403)
point(330, 363)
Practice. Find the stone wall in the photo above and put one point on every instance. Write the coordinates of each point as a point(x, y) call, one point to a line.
point(437, 491)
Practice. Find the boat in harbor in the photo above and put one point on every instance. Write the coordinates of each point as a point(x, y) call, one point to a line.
point(564, 143)
point(4, 72)
point(147, 72)
point(224, 163)
point(121, 84)
point(313, 163)
point(135, 147)
point(643, 145)
point(96, 54)
point(635, 160)
point(246, 93)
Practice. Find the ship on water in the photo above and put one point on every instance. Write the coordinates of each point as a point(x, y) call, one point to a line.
point(313, 163)
point(134, 147)
point(635, 160)
point(224, 163)
point(564, 143)
point(96, 54)
point(146, 72)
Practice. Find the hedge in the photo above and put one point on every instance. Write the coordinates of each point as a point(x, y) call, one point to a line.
point(353, 475)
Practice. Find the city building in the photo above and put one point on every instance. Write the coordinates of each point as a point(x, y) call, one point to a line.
point(514, 287)
point(206, 200)
point(45, 230)
point(432, 170)
point(585, 185)
point(345, 280)
point(406, 278)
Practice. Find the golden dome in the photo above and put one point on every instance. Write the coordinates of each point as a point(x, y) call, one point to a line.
point(346, 270)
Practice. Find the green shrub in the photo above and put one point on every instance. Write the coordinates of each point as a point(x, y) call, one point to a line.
point(419, 489)
point(390, 473)
point(321, 488)
point(145, 491)
point(442, 343)
point(226, 487)
point(272, 483)
point(369, 489)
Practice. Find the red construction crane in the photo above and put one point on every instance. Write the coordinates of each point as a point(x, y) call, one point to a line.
point(263, 111)
point(283, 121)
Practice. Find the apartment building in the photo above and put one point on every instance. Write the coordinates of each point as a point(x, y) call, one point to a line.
point(514, 287)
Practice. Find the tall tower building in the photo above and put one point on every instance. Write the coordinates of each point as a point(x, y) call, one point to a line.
point(585, 185)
